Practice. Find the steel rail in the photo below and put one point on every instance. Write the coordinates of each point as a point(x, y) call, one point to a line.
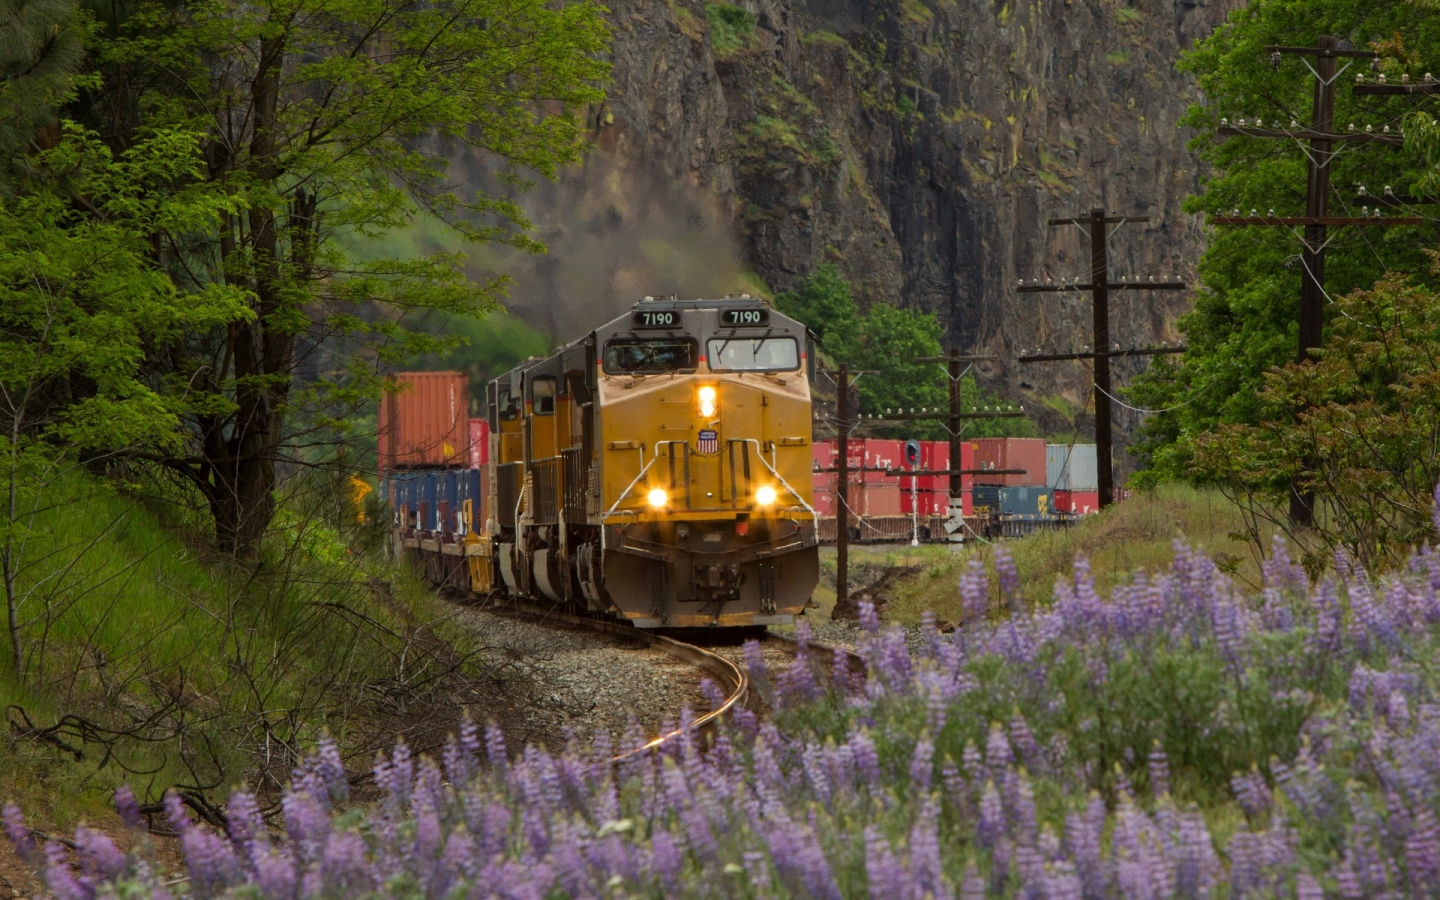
point(731, 678)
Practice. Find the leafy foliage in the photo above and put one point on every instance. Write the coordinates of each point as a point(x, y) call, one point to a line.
point(885, 341)
point(318, 122)
point(41, 46)
point(730, 27)
point(1176, 741)
point(1245, 318)
point(1360, 427)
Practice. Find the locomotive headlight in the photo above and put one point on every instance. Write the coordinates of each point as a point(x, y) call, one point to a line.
point(707, 401)
point(658, 498)
point(765, 496)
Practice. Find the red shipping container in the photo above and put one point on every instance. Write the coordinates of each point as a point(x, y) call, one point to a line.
point(878, 454)
point(872, 500)
point(1084, 502)
point(425, 421)
point(1011, 453)
point(929, 503)
point(824, 493)
point(822, 454)
point(479, 443)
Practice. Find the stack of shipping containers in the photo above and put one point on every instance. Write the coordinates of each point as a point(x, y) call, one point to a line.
point(1022, 495)
point(1071, 472)
point(432, 452)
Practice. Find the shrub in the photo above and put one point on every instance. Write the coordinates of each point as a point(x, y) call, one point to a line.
point(1179, 740)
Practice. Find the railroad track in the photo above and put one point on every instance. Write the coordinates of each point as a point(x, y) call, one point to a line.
point(730, 677)
point(725, 668)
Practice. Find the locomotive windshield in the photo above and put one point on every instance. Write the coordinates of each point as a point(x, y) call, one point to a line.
point(642, 356)
point(780, 354)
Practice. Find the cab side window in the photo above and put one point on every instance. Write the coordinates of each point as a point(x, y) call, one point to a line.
point(509, 406)
point(542, 395)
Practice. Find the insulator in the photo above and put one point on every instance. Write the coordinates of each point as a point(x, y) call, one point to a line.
point(1389, 191)
point(1235, 211)
point(1429, 77)
point(1225, 122)
point(1386, 129)
point(1254, 211)
point(1364, 210)
point(1381, 77)
point(1294, 124)
point(1374, 63)
point(1272, 212)
point(1369, 129)
point(1405, 79)
point(1022, 282)
point(1275, 59)
point(1359, 79)
point(1363, 191)
point(1352, 126)
point(1242, 123)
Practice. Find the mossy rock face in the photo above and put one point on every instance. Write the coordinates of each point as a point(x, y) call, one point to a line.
point(730, 28)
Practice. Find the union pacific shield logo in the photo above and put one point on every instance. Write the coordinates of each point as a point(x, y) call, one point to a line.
point(708, 442)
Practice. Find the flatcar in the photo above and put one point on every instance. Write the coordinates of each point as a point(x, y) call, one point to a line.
point(657, 471)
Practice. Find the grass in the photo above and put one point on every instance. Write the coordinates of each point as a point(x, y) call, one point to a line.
point(209, 672)
point(730, 28)
point(1138, 534)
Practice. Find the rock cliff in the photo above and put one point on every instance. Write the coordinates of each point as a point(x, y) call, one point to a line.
point(921, 145)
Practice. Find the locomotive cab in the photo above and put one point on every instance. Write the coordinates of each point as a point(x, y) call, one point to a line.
point(659, 469)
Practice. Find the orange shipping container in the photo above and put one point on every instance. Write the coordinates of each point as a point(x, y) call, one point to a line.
point(425, 421)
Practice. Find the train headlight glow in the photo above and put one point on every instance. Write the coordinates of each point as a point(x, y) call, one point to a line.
point(658, 498)
point(707, 401)
point(765, 496)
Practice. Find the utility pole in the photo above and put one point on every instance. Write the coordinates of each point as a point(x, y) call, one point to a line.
point(1317, 219)
point(842, 492)
point(1099, 288)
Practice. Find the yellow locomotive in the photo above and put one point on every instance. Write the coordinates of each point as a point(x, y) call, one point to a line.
point(657, 470)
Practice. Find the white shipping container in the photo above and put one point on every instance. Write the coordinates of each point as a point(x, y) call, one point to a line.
point(1071, 467)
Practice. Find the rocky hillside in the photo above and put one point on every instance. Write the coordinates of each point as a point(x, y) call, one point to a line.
point(919, 144)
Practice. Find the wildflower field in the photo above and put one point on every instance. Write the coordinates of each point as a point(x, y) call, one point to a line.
point(1177, 739)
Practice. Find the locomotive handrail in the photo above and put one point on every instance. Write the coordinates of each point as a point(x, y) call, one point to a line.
point(778, 477)
point(644, 467)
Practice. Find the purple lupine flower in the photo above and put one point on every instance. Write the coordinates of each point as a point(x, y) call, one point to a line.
point(998, 753)
point(992, 817)
point(331, 768)
point(243, 821)
point(884, 871)
point(758, 873)
point(495, 753)
point(922, 765)
point(1062, 882)
point(1422, 852)
point(666, 861)
point(1347, 883)
point(99, 857)
point(1020, 803)
point(1009, 577)
point(60, 878)
point(175, 813)
point(974, 591)
point(343, 865)
point(869, 618)
point(1197, 867)
point(1159, 766)
point(306, 822)
point(210, 860)
point(19, 833)
point(972, 883)
point(1251, 792)
point(128, 808)
point(840, 672)
point(1023, 740)
point(276, 875)
point(867, 759)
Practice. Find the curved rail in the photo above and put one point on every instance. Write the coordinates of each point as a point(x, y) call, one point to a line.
point(731, 678)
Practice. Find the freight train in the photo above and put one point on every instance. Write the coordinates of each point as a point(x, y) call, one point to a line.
point(656, 471)
point(1043, 486)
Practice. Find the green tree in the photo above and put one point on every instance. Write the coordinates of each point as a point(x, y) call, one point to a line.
point(325, 121)
point(1360, 427)
point(41, 46)
point(886, 341)
point(1245, 319)
point(81, 305)
point(824, 302)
